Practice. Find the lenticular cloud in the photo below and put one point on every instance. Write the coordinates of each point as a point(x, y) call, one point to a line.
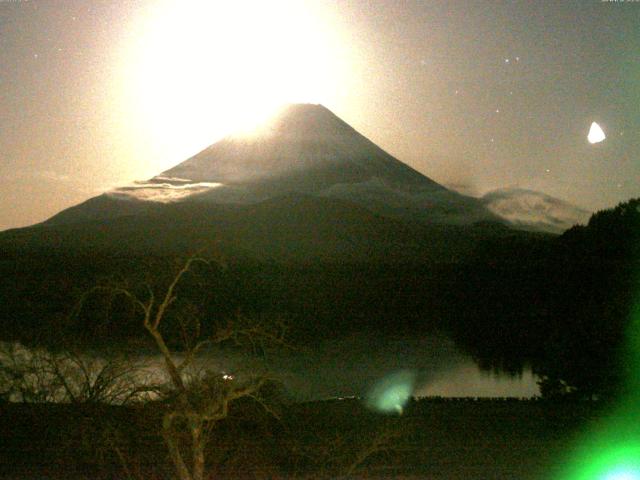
point(162, 192)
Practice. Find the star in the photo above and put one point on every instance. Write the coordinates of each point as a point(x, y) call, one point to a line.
point(497, 110)
point(506, 60)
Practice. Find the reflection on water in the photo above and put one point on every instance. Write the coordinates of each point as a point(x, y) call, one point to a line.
point(351, 366)
point(467, 380)
point(354, 365)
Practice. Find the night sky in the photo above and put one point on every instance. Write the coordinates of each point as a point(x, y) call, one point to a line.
point(476, 95)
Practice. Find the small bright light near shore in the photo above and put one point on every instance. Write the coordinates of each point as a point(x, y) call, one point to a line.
point(596, 135)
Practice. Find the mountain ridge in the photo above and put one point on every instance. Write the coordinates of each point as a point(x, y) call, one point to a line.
point(298, 137)
point(304, 149)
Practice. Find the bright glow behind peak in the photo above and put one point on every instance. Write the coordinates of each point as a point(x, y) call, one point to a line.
point(202, 69)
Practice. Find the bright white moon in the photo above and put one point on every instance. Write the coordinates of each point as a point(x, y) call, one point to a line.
point(596, 135)
point(196, 70)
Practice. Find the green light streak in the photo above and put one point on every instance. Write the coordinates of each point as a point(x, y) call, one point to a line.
point(612, 452)
point(615, 462)
point(391, 394)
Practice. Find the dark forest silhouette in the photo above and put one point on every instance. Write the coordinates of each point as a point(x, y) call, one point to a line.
point(560, 304)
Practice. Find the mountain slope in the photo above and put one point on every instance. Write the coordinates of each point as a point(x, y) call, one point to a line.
point(290, 229)
point(305, 149)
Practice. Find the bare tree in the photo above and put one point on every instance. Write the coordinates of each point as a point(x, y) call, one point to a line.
point(196, 399)
point(22, 377)
point(66, 376)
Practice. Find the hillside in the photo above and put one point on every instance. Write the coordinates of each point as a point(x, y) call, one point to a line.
point(303, 150)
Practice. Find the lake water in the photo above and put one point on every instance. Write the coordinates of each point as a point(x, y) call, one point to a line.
point(356, 365)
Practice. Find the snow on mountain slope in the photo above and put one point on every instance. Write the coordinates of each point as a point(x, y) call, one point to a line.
point(305, 143)
point(534, 210)
point(307, 149)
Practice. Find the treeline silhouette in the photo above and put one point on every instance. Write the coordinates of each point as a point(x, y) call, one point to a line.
point(562, 306)
point(558, 304)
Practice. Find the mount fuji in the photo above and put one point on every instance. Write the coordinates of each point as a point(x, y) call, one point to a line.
point(303, 150)
point(312, 219)
point(303, 188)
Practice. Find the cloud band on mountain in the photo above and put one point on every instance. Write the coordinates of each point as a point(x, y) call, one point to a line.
point(161, 192)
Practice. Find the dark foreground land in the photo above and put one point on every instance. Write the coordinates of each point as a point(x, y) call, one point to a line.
point(433, 439)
